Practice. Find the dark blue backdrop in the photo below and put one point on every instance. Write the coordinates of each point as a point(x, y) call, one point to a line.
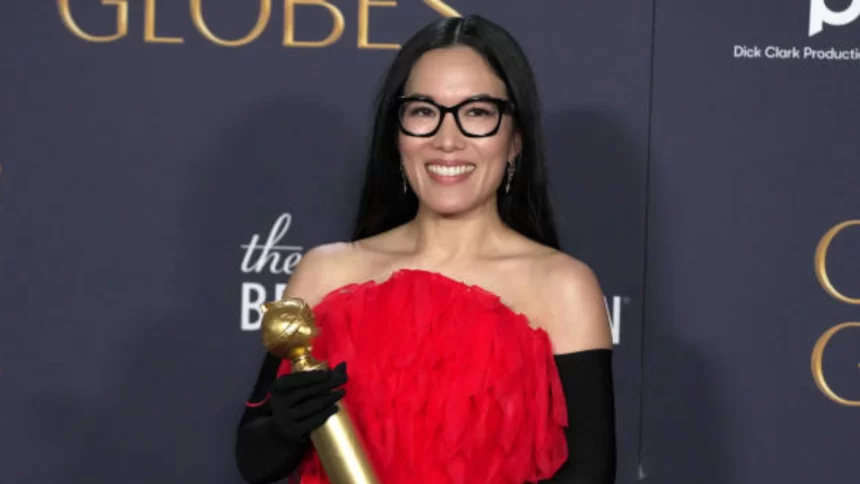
point(157, 183)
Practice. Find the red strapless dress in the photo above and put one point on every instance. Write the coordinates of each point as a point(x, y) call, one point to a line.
point(446, 383)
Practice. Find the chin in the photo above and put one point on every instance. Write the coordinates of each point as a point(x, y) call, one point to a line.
point(451, 207)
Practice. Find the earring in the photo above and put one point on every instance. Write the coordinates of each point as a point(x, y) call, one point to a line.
point(510, 177)
point(403, 175)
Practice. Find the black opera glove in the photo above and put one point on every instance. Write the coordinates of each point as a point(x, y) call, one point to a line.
point(587, 381)
point(303, 401)
point(274, 435)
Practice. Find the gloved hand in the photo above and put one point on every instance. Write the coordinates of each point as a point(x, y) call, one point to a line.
point(302, 401)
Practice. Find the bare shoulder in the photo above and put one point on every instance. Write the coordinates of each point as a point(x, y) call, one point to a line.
point(575, 315)
point(322, 269)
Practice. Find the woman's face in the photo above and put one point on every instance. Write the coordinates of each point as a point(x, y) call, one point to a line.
point(450, 172)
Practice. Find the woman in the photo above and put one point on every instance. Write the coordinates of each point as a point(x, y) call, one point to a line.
point(477, 351)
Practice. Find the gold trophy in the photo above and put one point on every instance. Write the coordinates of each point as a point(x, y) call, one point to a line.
point(288, 329)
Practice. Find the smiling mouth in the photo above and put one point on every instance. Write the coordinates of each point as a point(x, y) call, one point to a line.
point(450, 171)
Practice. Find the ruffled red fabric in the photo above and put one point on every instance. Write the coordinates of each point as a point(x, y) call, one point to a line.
point(446, 383)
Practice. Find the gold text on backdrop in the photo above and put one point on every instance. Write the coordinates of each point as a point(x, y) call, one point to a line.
point(821, 262)
point(264, 15)
point(121, 21)
point(820, 345)
point(817, 366)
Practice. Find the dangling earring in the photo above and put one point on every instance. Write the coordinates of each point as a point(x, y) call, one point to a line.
point(510, 177)
point(403, 175)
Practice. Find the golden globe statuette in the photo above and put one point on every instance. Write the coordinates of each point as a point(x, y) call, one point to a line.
point(288, 328)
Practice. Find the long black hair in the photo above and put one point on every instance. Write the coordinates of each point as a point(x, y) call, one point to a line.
point(526, 208)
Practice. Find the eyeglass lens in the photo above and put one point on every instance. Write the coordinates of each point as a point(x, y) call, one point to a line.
point(476, 117)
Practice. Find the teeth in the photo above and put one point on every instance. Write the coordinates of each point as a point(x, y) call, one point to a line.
point(450, 170)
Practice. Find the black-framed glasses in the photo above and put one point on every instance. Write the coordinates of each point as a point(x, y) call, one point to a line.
point(476, 117)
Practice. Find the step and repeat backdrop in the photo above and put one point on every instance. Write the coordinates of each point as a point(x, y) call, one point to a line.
point(751, 333)
point(165, 164)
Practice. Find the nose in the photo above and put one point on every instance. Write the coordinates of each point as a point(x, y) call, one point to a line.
point(448, 137)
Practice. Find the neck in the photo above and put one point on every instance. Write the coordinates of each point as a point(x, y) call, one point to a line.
point(441, 238)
